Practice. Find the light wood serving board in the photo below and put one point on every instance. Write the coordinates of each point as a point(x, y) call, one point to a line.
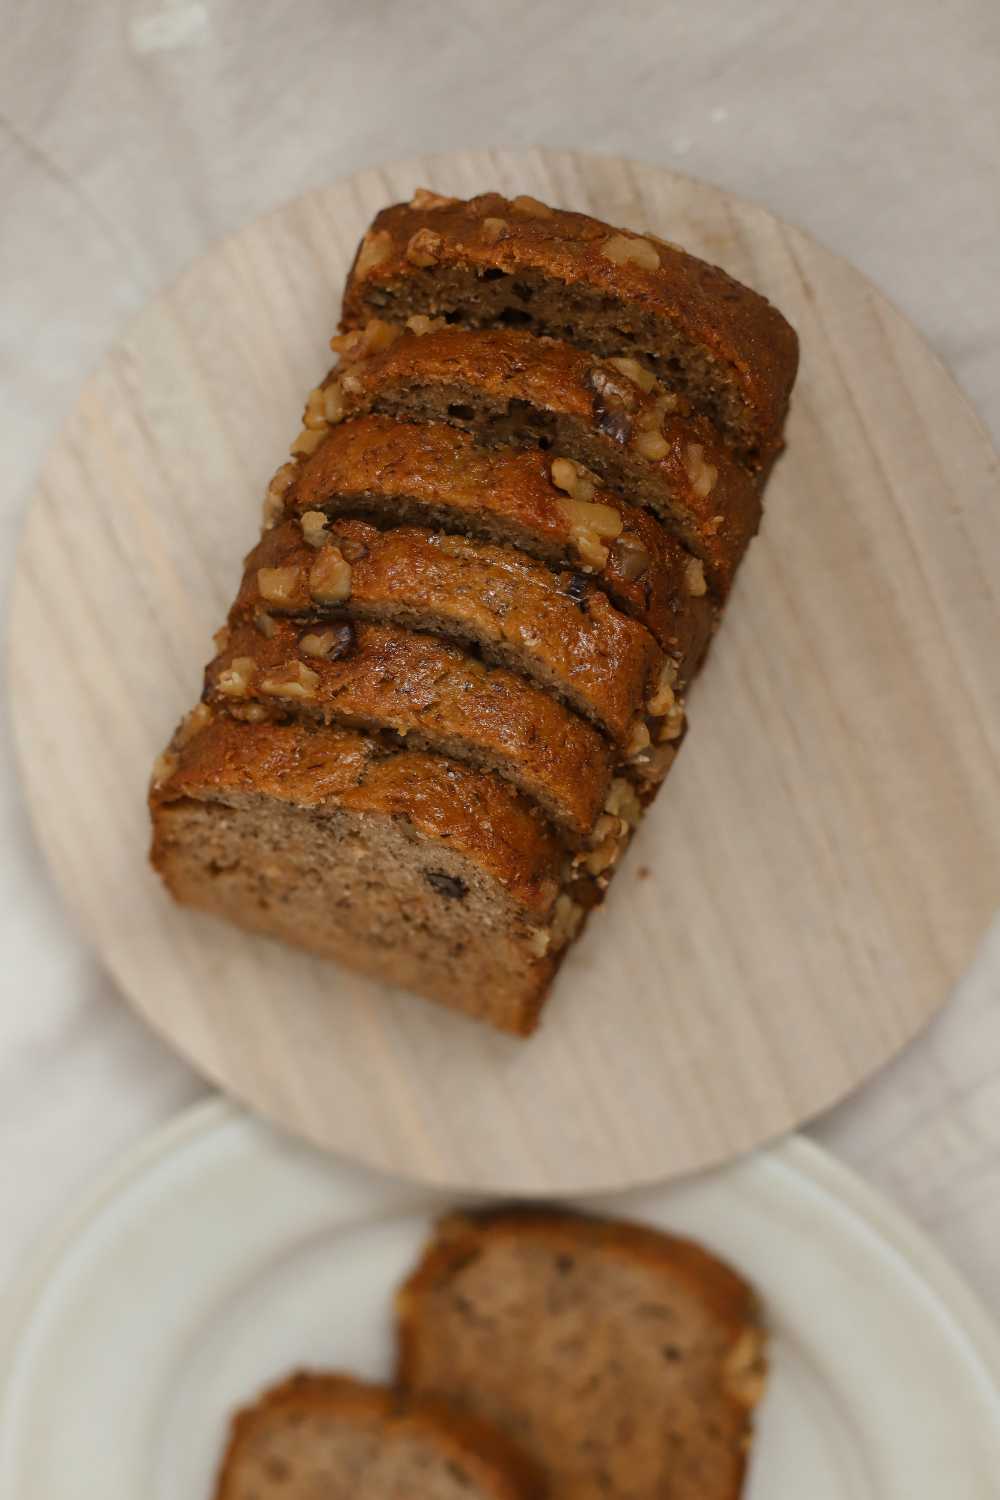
point(825, 854)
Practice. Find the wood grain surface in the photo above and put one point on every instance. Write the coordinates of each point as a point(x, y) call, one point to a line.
point(821, 862)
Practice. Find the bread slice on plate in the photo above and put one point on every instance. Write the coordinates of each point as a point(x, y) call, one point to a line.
point(330, 1437)
point(511, 389)
point(493, 260)
point(625, 1362)
point(429, 474)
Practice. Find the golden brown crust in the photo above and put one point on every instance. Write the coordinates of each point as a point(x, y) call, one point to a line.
point(493, 1464)
point(440, 473)
point(696, 486)
point(446, 802)
point(421, 686)
point(557, 628)
point(740, 331)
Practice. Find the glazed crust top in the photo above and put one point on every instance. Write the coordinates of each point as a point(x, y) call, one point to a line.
point(473, 812)
point(493, 1464)
point(697, 476)
point(378, 460)
point(741, 330)
point(556, 626)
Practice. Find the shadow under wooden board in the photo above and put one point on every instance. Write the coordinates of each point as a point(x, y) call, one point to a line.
point(824, 856)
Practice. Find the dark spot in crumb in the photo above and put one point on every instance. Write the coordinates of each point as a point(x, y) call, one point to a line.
point(523, 292)
point(578, 589)
point(564, 1264)
point(492, 273)
point(672, 1354)
point(514, 317)
point(447, 885)
point(460, 412)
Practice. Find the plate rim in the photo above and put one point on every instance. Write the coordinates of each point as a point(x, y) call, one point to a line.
point(794, 1155)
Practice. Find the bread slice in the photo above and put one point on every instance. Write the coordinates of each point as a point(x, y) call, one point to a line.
point(430, 693)
point(411, 867)
point(556, 628)
point(625, 1362)
point(510, 388)
point(331, 1437)
point(436, 476)
point(493, 260)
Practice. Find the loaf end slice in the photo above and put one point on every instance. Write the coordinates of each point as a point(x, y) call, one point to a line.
point(625, 1362)
point(342, 1439)
point(409, 867)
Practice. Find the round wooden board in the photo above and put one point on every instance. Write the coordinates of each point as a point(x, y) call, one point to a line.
point(824, 856)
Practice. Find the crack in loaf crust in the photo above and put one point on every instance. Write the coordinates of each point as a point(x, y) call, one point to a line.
point(492, 259)
point(411, 867)
point(349, 1440)
point(626, 1362)
point(437, 476)
point(556, 628)
point(431, 693)
point(512, 389)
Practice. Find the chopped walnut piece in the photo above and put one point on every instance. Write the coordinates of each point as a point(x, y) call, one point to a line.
point(603, 520)
point(308, 441)
point(329, 643)
point(424, 248)
point(376, 247)
point(652, 445)
point(358, 343)
point(622, 801)
point(278, 585)
point(637, 373)
point(639, 740)
point(350, 385)
point(313, 524)
point(671, 725)
point(566, 919)
point(573, 478)
point(424, 198)
point(314, 417)
point(330, 577)
point(249, 713)
point(532, 208)
point(608, 840)
point(164, 766)
point(420, 324)
point(631, 557)
point(623, 249)
point(198, 719)
point(694, 577)
point(494, 230)
point(294, 680)
point(663, 698)
point(333, 402)
point(539, 941)
point(701, 473)
point(221, 639)
point(265, 623)
point(352, 549)
point(234, 681)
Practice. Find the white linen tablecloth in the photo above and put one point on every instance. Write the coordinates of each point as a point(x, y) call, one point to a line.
point(135, 132)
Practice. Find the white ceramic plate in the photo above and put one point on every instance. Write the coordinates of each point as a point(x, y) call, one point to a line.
point(221, 1255)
